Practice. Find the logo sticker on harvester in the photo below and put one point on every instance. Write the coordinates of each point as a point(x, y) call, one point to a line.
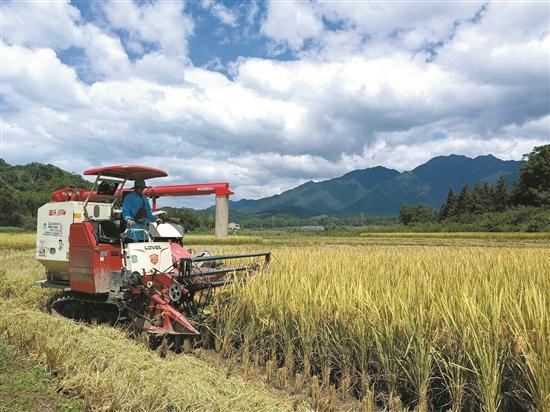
point(154, 259)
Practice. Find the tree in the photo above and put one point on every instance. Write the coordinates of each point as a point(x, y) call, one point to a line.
point(411, 214)
point(189, 220)
point(533, 187)
point(477, 204)
point(487, 192)
point(463, 202)
point(9, 205)
point(501, 195)
point(448, 208)
point(481, 198)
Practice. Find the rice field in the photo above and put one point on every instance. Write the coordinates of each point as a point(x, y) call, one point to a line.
point(21, 241)
point(460, 328)
point(424, 323)
point(17, 241)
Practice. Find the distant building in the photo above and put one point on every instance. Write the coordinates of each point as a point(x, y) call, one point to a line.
point(313, 228)
point(234, 226)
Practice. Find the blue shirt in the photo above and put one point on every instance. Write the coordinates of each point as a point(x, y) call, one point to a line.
point(133, 201)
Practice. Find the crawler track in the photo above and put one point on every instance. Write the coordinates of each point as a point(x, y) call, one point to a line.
point(88, 308)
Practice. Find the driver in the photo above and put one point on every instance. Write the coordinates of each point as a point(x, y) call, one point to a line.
point(136, 211)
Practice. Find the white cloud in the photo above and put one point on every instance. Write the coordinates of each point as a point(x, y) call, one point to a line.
point(510, 40)
point(105, 53)
point(37, 79)
point(348, 102)
point(40, 24)
point(163, 23)
point(366, 27)
point(292, 22)
point(425, 21)
point(222, 13)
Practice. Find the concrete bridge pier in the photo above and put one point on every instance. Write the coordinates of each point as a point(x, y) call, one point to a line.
point(222, 216)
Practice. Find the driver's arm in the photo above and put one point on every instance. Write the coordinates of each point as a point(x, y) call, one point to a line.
point(128, 210)
point(150, 216)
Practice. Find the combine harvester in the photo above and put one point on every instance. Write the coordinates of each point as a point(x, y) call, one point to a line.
point(156, 284)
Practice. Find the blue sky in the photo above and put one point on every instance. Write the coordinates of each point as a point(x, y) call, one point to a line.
point(215, 43)
point(269, 94)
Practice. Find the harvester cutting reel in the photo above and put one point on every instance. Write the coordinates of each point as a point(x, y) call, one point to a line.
point(198, 276)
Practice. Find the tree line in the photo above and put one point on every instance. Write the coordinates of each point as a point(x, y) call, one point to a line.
point(482, 198)
point(532, 189)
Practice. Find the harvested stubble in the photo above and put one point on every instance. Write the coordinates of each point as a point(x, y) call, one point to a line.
point(461, 328)
point(106, 368)
point(111, 372)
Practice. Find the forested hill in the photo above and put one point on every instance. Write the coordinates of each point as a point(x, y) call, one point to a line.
point(382, 191)
point(25, 188)
point(38, 177)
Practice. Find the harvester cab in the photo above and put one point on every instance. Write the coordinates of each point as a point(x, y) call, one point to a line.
point(105, 275)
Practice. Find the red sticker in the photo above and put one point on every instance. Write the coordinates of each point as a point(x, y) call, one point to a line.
point(154, 259)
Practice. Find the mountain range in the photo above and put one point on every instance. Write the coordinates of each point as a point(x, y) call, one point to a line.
point(375, 191)
point(382, 191)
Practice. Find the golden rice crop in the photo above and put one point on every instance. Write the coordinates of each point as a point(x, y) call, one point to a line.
point(463, 328)
point(413, 239)
point(19, 271)
point(17, 240)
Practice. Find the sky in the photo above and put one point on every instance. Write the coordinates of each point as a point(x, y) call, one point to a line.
point(269, 95)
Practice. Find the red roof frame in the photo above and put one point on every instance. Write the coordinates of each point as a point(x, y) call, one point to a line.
point(128, 172)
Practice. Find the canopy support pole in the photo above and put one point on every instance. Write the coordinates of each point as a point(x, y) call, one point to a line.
point(222, 216)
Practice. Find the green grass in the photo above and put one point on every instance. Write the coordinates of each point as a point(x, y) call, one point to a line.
point(11, 229)
point(26, 385)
